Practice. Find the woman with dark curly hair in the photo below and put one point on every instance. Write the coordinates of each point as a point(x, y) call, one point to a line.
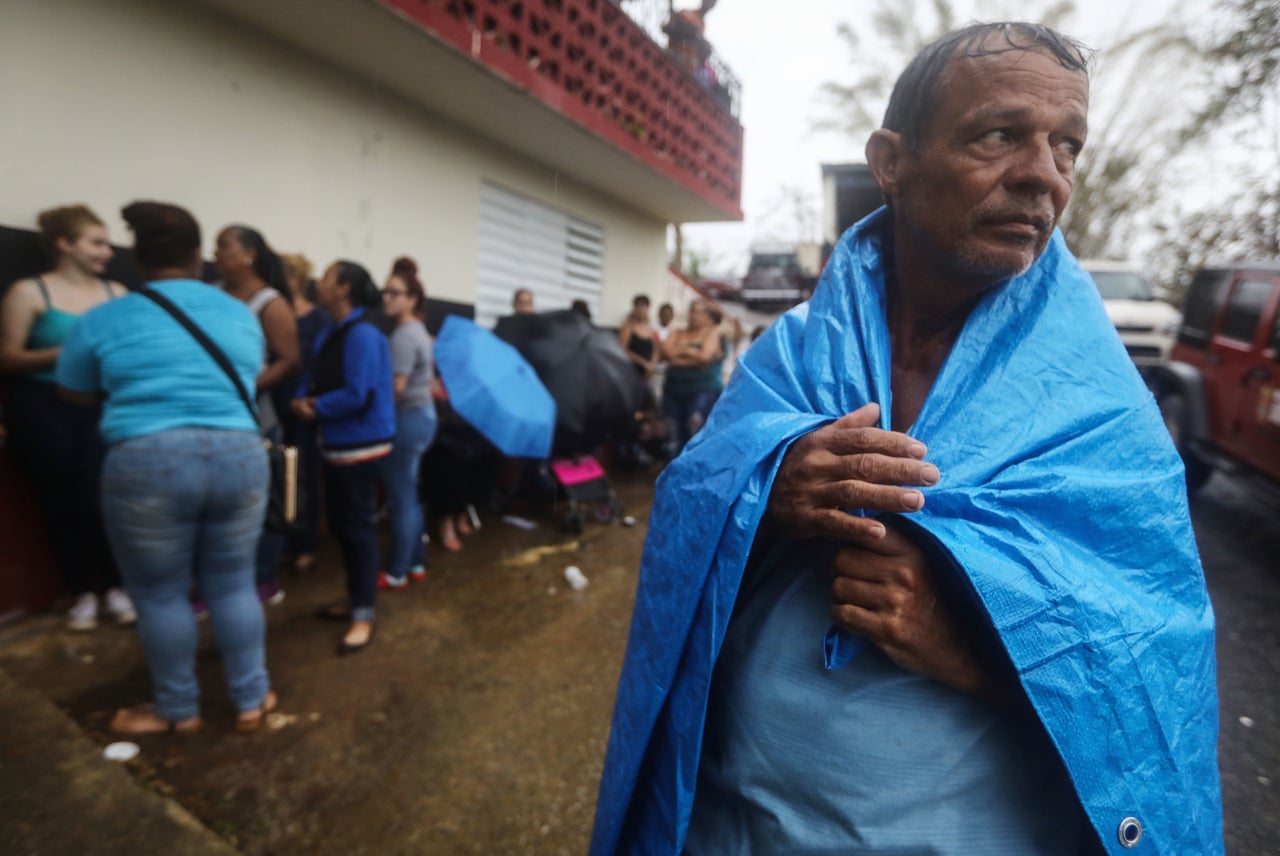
point(252, 272)
point(184, 485)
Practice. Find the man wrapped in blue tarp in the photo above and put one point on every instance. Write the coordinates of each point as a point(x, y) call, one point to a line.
point(926, 581)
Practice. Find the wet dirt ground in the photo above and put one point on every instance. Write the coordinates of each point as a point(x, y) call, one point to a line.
point(478, 719)
point(475, 723)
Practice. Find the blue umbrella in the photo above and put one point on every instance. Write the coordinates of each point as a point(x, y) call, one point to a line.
point(492, 387)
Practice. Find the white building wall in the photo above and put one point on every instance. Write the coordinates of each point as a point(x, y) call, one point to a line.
point(107, 101)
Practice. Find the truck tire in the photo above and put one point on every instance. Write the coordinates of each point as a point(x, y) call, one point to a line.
point(1173, 407)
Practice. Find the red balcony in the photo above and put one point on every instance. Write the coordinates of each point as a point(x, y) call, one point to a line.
point(590, 62)
point(574, 84)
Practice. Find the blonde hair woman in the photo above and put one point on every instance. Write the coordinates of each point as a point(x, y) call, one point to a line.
point(55, 443)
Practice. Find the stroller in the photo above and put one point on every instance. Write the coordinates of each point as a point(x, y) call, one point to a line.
point(597, 394)
point(586, 488)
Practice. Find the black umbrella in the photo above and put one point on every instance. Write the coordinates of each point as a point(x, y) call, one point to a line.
point(595, 385)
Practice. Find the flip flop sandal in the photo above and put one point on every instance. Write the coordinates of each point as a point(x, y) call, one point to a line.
point(185, 726)
point(254, 722)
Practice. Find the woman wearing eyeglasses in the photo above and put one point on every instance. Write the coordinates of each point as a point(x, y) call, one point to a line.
point(404, 303)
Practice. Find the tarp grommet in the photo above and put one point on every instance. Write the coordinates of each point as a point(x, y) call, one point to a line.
point(1130, 832)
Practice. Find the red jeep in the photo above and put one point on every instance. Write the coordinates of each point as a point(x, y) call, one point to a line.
point(1220, 391)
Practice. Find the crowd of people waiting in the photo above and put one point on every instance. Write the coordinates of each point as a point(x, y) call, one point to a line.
point(152, 473)
point(682, 368)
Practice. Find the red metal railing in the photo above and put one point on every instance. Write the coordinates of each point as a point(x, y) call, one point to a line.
point(590, 62)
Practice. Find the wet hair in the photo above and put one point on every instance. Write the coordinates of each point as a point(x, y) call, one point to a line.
point(67, 221)
point(405, 269)
point(267, 266)
point(640, 299)
point(915, 96)
point(164, 235)
point(363, 291)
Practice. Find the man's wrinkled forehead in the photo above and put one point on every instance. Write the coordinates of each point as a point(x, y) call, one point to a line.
point(992, 48)
point(977, 61)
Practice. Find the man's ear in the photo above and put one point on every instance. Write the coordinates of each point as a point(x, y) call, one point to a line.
point(886, 152)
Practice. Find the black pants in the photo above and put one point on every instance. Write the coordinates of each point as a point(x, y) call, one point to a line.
point(57, 447)
point(350, 497)
point(460, 468)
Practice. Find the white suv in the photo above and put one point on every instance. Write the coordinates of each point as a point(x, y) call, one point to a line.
point(1146, 325)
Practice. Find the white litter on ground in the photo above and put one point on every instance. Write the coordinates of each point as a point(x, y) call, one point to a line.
point(123, 751)
point(576, 579)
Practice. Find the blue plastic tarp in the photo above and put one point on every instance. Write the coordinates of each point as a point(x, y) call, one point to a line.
point(1061, 498)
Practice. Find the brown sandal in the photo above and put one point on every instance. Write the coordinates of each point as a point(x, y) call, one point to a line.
point(250, 721)
point(143, 719)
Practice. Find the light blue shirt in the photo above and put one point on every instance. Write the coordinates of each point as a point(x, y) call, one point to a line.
point(869, 759)
point(154, 374)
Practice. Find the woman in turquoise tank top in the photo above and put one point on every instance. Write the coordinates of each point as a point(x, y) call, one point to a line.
point(57, 444)
point(694, 357)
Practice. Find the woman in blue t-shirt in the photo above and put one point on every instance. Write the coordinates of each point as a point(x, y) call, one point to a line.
point(54, 443)
point(184, 486)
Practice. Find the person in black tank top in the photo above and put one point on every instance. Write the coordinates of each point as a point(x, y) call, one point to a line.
point(638, 338)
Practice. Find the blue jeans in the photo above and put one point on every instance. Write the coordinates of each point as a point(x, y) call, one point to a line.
point(183, 504)
point(415, 430)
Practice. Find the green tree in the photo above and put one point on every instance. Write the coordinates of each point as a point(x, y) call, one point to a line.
point(1241, 218)
point(698, 262)
point(1143, 92)
point(1247, 55)
point(899, 31)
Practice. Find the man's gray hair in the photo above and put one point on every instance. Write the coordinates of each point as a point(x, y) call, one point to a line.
point(915, 96)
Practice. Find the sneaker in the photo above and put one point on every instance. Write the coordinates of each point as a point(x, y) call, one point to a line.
point(120, 607)
point(270, 594)
point(386, 581)
point(417, 573)
point(199, 608)
point(83, 614)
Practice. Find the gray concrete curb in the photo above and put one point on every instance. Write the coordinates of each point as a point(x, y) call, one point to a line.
point(59, 796)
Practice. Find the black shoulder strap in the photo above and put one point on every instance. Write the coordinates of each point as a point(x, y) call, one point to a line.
point(44, 292)
point(199, 335)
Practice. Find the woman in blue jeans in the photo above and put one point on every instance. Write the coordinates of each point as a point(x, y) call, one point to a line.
point(404, 303)
point(185, 478)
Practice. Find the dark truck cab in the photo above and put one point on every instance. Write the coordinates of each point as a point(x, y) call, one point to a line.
point(775, 277)
point(1220, 390)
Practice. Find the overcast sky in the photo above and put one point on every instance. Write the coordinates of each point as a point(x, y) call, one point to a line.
point(783, 53)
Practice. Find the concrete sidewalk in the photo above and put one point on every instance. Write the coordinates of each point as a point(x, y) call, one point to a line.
point(58, 795)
